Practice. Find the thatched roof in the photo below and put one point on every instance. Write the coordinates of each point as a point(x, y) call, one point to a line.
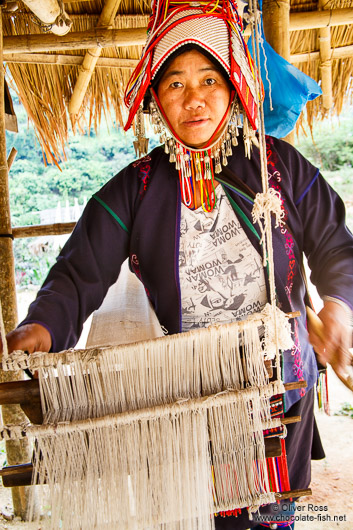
point(47, 84)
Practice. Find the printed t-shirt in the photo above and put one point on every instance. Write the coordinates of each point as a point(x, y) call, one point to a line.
point(221, 274)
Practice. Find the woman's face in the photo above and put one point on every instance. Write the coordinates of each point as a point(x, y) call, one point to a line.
point(195, 97)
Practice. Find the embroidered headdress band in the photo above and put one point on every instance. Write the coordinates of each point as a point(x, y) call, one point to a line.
point(215, 29)
point(213, 26)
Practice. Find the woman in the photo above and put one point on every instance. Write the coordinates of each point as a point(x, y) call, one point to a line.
point(196, 88)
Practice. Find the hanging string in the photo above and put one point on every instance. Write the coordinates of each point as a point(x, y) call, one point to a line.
point(268, 248)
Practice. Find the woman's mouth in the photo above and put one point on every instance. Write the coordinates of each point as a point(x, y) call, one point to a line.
point(196, 122)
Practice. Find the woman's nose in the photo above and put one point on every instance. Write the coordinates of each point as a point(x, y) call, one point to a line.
point(194, 98)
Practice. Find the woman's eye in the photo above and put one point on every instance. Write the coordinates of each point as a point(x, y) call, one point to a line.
point(176, 84)
point(210, 81)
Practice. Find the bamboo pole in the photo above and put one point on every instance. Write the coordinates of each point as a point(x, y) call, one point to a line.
point(325, 62)
point(17, 452)
point(11, 158)
point(112, 62)
point(298, 21)
point(320, 19)
point(90, 60)
point(50, 14)
point(61, 59)
point(80, 40)
point(276, 28)
point(336, 53)
point(104, 38)
point(311, 19)
point(55, 229)
point(276, 25)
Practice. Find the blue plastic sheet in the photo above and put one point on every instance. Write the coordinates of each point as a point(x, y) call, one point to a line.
point(290, 90)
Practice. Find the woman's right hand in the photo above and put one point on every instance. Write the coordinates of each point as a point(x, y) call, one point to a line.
point(29, 337)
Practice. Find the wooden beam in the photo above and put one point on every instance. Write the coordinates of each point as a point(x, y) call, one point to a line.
point(113, 62)
point(80, 40)
point(90, 60)
point(276, 28)
point(49, 13)
point(56, 229)
point(336, 53)
point(321, 19)
point(137, 36)
point(325, 61)
point(276, 25)
point(314, 19)
point(57, 59)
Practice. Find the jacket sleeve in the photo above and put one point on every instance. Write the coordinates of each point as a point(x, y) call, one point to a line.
point(318, 223)
point(88, 264)
point(328, 243)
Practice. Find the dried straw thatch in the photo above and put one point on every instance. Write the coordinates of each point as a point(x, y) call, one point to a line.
point(308, 41)
point(46, 89)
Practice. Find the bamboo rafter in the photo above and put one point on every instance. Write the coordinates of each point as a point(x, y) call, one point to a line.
point(45, 80)
point(102, 38)
point(90, 60)
point(325, 61)
point(61, 59)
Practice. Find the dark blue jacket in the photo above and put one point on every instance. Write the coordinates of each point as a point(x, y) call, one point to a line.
point(137, 215)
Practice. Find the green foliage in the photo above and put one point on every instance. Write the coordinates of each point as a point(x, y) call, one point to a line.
point(93, 159)
point(33, 257)
point(345, 410)
point(333, 143)
point(332, 153)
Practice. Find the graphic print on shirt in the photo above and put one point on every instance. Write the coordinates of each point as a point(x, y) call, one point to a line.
point(221, 274)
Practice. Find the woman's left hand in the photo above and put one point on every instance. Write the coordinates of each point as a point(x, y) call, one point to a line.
point(332, 337)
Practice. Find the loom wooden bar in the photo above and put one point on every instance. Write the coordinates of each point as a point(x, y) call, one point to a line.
point(22, 475)
point(25, 391)
point(102, 38)
point(293, 494)
point(289, 420)
point(295, 385)
point(67, 60)
point(55, 229)
point(90, 59)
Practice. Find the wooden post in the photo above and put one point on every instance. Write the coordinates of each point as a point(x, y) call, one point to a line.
point(17, 452)
point(325, 62)
point(276, 27)
point(80, 40)
point(90, 60)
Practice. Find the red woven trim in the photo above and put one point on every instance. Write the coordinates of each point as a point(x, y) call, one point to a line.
point(155, 41)
point(242, 88)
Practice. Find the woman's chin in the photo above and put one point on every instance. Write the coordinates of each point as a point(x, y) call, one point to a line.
point(196, 141)
point(199, 139)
